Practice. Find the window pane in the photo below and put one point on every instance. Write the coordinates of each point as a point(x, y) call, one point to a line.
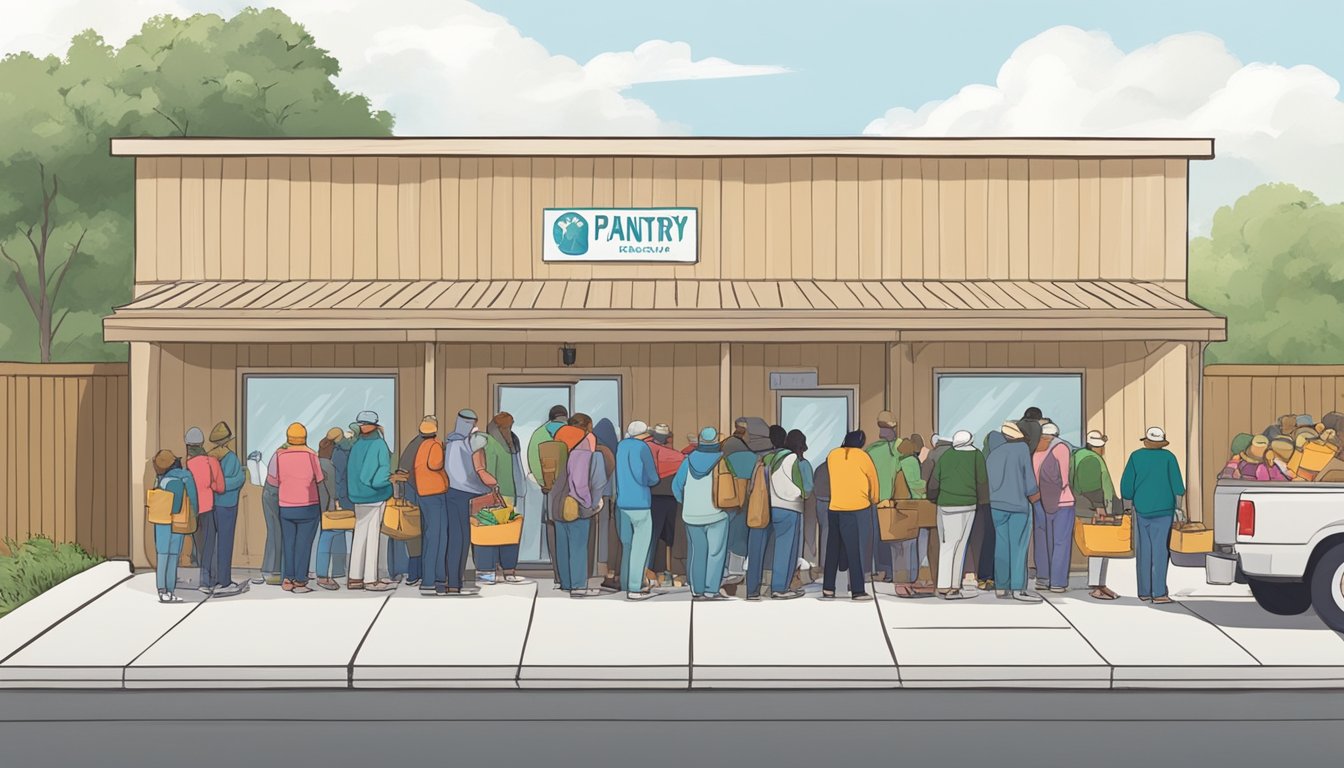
point(823, 419)
point(980, 403)
point(601, 400)
point(529, 406)
point(317, 402)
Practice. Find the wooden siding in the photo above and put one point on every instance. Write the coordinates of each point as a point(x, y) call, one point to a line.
point(1248, 398)
point(409, 218)
point(61, 455)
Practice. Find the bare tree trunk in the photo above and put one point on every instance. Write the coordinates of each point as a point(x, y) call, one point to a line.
point(40, 300)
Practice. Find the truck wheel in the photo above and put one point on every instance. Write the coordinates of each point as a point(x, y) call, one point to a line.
point(1327, 588)
point(1281, 598)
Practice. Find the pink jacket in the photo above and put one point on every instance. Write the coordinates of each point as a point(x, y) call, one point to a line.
point(209, 478)
point(296, 472)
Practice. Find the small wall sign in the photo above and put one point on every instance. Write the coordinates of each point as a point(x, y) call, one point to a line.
point(658, 235)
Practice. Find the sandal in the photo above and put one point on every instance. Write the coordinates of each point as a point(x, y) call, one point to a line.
point(1100, 594)
point(827, 595)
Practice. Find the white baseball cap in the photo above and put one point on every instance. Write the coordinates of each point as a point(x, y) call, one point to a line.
point(1096, 439)
point(1050, 428)
point(1156, 435)
point(962, 440)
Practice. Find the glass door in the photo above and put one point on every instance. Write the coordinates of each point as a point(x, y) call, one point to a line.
point(823, 415)
point(530, 405)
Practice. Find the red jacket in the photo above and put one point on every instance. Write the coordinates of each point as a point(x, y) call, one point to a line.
point(666, 460)
point(209, 478)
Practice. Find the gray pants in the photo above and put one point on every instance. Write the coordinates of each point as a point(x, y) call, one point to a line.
point(273, 553)
point(1096, 571)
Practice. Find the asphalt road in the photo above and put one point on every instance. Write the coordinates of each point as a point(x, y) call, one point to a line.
point(935, 729)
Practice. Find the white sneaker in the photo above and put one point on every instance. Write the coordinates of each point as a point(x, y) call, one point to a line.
point(169, 597)
point(638, 595)
point(488, 579)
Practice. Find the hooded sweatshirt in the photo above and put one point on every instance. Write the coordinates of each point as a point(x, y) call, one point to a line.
point(1011, 477)
point(234, 476)
point(458, 451)
point(587, 476)
point(635, 474)
point(543, 434)
point(366, 478)
point(1052, 474)
point(693, 486)
point(502, 459)
point(757, 444)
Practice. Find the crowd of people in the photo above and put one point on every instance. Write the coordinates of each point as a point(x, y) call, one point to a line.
point(1295, 448)
point(719, 512)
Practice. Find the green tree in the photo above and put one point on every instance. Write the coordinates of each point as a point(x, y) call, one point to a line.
point(66, 206)
point(1274, 265)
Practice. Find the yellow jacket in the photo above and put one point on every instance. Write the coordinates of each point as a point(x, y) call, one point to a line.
point(853, 480)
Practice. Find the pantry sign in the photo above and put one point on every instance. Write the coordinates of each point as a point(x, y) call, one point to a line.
point(659, 235)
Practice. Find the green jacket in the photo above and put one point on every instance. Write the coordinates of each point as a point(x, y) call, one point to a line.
point(499, 463)
point(1091, 478)
point(544, 433)
point(960, 479)
point(1152, 480)
point(887, 459)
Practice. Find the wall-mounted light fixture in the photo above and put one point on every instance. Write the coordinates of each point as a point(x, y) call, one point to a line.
point(568, 354)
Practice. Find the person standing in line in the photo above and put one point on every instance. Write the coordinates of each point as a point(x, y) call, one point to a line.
point(556, 418)
point(760, 544)
point(983, 535)
point(854, 490)
point(790, 477)
point(1030, 425)
point(209, 481)
point(607, 549)
point(706, 525)
point(585, 487)
point(666, 461)
point(820, 500)
point(750, 441)
point(297, 474)
point(636, 475)
point(331, 545)
point(467, 479)
point(1012, 495)
point(170, 477)
point(1152, 481)
point(503, 463)
point(423, 462)
point(908, 556)
point(369, 481)
point(1093, 488)
point(225, 515)
point(272, 555)
point(958, 485)
point(879, 557)
point(1053, 528)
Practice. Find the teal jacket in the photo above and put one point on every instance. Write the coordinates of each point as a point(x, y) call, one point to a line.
point(182, 485)
point(1152, 480)
point(234, 476)
point(366, 476)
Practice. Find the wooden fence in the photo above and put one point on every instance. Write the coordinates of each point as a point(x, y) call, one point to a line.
point(1248, 398)
point(63, 454)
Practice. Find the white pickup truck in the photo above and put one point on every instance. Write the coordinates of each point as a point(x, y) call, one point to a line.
point(1286, 541)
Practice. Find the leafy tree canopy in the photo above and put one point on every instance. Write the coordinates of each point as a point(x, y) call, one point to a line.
point(1273, 265)
point(258, 73)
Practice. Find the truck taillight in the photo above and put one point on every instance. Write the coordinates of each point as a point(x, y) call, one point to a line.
point(1245, 518)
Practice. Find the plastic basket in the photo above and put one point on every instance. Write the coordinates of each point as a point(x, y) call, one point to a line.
point(500, 535)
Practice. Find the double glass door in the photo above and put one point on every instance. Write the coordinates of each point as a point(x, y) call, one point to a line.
point(530, 403)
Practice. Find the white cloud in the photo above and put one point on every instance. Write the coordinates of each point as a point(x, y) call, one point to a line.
point(1270, 123)
point(440, 66)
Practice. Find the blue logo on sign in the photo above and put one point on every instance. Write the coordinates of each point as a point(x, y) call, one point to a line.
point(571, 234)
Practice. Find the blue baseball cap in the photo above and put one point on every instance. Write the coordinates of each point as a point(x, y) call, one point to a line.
point(709, 435)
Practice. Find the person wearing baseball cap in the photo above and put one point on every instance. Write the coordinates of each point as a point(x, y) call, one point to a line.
point(1013, 494)
point(170, 477)
point(1152, 482)
point(369, 484)
point(1095, 491)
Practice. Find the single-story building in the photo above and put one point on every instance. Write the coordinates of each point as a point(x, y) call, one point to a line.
point(813, 282)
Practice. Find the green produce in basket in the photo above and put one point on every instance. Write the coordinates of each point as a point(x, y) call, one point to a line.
point(487, 517)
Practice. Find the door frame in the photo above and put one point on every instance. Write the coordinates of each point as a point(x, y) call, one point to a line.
point(851, 395)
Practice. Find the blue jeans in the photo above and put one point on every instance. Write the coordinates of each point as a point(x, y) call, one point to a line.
point(1012, 535)
point(1152, 550)
point(1052, 533)
point(635, 529)
point(459, 535)
point(434, 540)
point(844, 530)
point(738, 532)
point(332, 557)
point(167, 549)
point(215, 536)
point(400, 562)
point(875, 553)
point(783, 529)
point(706, 552)
point(274, 551)
point(488, 559)
point(298, 528)
point(571, 553)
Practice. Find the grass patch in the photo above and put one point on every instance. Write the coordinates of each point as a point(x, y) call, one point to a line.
point(32, 567)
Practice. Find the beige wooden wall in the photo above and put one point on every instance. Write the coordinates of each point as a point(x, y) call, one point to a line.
point(1248, 398)
point(300, 218)
point(62, 471)
point(1127, 387)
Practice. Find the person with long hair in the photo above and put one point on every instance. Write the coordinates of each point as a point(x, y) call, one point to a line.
point(790, 477)
point(854, 490)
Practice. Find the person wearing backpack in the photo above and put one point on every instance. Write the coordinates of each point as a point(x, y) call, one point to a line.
point(1054, 519)
point(1094, 489)
point(172, 478)
point(706, 524)
point(583, 496)
point(790, 484)
point(635, 476)
point(854, 492)
point(958, 485)
point(759, 539)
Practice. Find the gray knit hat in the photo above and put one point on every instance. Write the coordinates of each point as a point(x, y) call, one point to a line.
point(194, 436)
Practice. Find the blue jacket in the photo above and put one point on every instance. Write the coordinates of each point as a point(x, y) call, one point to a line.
point(635, 474)
point(694, 488)
point(368, 469)
point(181, 483)
point(234, 477)
point(1012, 477)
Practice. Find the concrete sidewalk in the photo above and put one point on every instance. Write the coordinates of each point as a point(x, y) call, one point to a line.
point(105, 629)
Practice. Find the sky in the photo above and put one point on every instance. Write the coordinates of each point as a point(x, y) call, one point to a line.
point(1261, 78)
